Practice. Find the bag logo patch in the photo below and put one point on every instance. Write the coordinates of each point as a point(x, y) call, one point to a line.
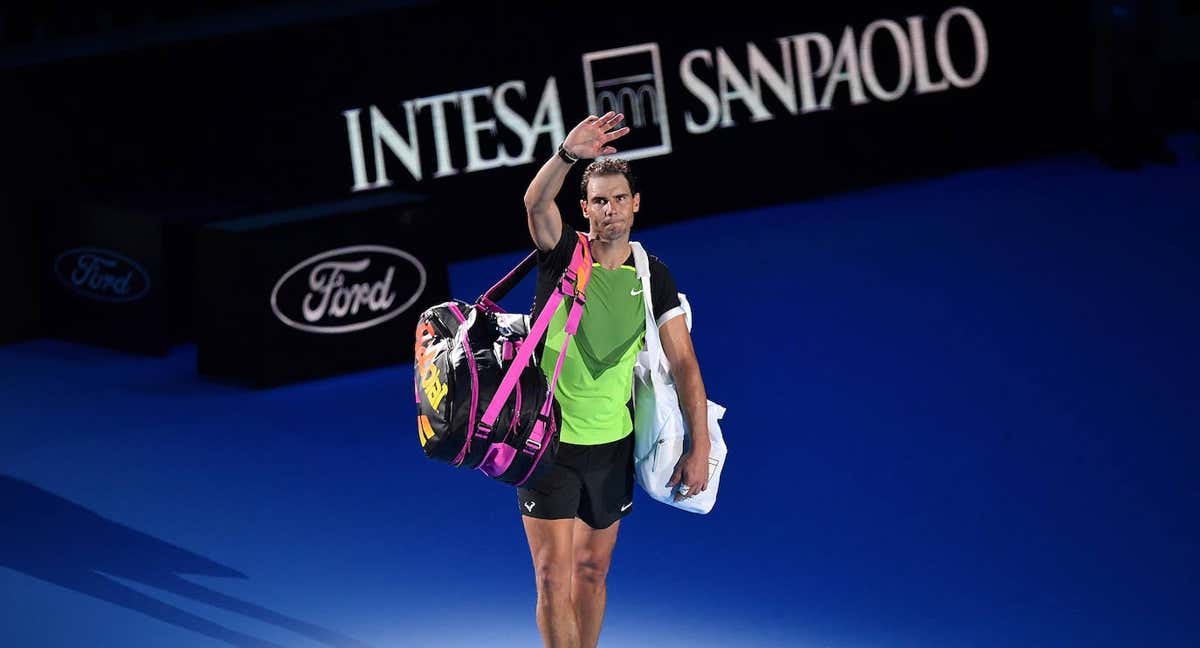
point(431, 382)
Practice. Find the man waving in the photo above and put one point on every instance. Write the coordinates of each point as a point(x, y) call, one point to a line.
point(572, 513)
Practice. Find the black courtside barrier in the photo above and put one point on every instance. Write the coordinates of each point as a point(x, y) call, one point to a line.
point(104, 277)
point(312, 292)
point(119, 271)
point(19, 262)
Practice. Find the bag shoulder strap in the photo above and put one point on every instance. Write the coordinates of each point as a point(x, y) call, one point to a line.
point(641, 263)
point(489, 299)
point(573, 284)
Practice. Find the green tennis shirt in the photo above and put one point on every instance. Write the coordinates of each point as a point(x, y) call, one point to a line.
point(596, 382)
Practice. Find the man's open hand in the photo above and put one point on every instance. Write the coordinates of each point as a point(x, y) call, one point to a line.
point(589, 139)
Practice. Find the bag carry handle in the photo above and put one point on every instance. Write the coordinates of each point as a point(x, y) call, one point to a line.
point(497, 292)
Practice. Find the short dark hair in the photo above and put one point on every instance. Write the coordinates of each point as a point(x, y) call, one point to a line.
point(607, 166)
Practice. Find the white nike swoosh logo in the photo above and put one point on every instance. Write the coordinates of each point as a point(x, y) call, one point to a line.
point(635, 294)
point(626, 507)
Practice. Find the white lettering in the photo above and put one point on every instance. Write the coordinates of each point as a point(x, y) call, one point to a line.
point(916, 34)
point(845, 69)
point(727, 76)
point(514, 123)
point(381, 296)
point(341, 301)
point(783, 87)
point(332, 296)
point(471, 129)
point(548, 119)
point(808, 100)
point(441, 138)
point(867, 60)
point(407, 151)
point(799, 81)
point(358, 164)
point(942, 45)
point(701, 91)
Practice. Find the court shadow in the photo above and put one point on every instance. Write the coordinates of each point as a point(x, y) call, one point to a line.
point(57, 541)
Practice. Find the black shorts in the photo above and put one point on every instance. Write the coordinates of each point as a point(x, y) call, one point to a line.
point(591, 482)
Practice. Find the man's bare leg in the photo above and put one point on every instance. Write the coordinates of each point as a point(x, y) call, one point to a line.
point(592, 556)
point(551, 548)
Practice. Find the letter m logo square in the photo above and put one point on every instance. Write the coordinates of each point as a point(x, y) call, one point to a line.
point(629, 80)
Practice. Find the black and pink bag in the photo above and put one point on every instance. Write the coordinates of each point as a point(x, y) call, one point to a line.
point(481, 403)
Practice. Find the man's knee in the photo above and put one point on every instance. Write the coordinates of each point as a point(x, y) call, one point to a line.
point(553, 581)
point(591, 568)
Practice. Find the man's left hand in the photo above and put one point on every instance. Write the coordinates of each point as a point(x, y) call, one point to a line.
point(690, 471)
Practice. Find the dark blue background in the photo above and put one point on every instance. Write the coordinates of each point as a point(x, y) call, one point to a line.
point(962, 412)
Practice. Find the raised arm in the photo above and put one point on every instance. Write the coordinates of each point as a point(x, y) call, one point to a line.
point(589, 139)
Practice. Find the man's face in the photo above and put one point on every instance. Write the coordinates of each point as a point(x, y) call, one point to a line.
point(610, 206)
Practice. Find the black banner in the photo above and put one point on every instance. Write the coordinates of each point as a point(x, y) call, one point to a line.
point(104, 278)
point(19, 258)
point(312, 292)
point(20, 221)
point(750, 105)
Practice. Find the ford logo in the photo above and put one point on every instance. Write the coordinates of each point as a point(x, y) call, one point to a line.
point(348, 289)
point(103, 275)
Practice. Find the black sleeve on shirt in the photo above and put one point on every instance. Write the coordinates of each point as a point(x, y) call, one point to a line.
point(663, 292)
point(556, 259)
point(550, 266)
